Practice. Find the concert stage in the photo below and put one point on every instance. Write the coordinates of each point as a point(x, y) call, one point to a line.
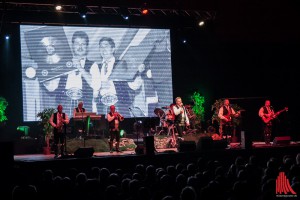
point(159, 157)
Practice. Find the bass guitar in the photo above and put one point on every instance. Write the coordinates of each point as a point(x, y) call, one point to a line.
point(268, 119)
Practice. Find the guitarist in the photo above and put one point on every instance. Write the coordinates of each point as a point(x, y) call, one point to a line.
point(267, 114)
point(225, 114)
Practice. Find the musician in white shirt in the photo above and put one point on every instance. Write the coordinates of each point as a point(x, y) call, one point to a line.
point(58, 121)
point(181, 117)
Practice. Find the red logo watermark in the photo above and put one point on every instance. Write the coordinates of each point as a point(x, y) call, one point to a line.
point(283, 187)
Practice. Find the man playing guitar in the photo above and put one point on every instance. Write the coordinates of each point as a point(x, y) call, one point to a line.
point(268, 115)
point(225, 114)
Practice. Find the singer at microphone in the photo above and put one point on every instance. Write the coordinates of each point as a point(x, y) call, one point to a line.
point(181, 118)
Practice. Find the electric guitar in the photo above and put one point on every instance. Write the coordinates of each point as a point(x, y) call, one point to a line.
point(268, 119)
point(230, 116)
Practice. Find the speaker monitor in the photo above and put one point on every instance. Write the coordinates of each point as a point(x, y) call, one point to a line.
point(220, 144)
point(186, 146)
point(205, 143)
point(139, 150)
point(85, 152)
point(283, 140)
point(149, 148)
point(6, 154)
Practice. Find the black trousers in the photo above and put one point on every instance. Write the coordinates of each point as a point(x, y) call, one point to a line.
point(180, 130)
point(59, 138)
point(114, 134)
point(227, 129)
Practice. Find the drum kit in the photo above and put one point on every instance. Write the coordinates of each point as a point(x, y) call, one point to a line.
point(167, 118)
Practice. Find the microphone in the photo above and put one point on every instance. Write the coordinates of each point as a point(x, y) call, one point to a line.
point(129, 108)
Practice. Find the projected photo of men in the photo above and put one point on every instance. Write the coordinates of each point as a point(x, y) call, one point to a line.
point(83, 83)
point(126, 67)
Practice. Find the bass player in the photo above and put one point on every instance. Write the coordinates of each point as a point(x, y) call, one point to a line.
point(269, 118)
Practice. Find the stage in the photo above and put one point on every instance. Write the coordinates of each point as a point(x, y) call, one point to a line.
point(188, 152)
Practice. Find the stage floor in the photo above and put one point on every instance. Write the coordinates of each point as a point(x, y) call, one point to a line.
point(232, 146)
point(43, 157)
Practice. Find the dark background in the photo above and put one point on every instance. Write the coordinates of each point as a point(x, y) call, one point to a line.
point(249, 53)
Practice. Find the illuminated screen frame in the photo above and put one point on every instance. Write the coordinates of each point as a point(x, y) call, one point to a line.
point(65, 65)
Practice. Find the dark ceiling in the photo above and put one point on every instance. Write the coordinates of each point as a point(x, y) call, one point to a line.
point(233, 20)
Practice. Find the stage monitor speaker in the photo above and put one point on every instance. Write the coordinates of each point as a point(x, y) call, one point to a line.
point(283, 140)
point(85, 152)
point(139, 150)
point(204, 143)
point(6, 154)
point(220, 144)
point(149, 148)
point(186, 146)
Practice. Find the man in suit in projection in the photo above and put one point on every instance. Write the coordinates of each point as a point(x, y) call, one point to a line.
point(114, 88)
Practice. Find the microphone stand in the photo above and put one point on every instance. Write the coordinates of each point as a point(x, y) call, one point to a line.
point(83, 129)
point(137, 126)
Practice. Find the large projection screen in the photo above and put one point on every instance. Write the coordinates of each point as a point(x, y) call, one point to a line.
point(101, 66)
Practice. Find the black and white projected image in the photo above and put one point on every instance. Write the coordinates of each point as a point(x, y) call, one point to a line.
point(126, 67)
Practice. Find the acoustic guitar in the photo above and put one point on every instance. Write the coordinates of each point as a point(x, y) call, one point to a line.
point(268, 119)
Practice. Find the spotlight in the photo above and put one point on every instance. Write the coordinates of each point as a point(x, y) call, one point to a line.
point(7, 37)
point(124, 13)
point(184, 41)
point(145, 10)
point(201, 23)
point(82, 10)
point(58, 7)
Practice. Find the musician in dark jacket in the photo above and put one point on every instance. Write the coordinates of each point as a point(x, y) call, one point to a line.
point(58, 121)
point(225, 114)
point(114, 118)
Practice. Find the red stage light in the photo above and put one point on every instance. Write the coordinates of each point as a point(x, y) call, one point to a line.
point(145, 11)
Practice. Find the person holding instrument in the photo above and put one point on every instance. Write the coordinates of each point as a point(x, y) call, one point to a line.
point(270, 122)
point(58, 121)
point(114, 118)
point(226, 114)
point(181, 118)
